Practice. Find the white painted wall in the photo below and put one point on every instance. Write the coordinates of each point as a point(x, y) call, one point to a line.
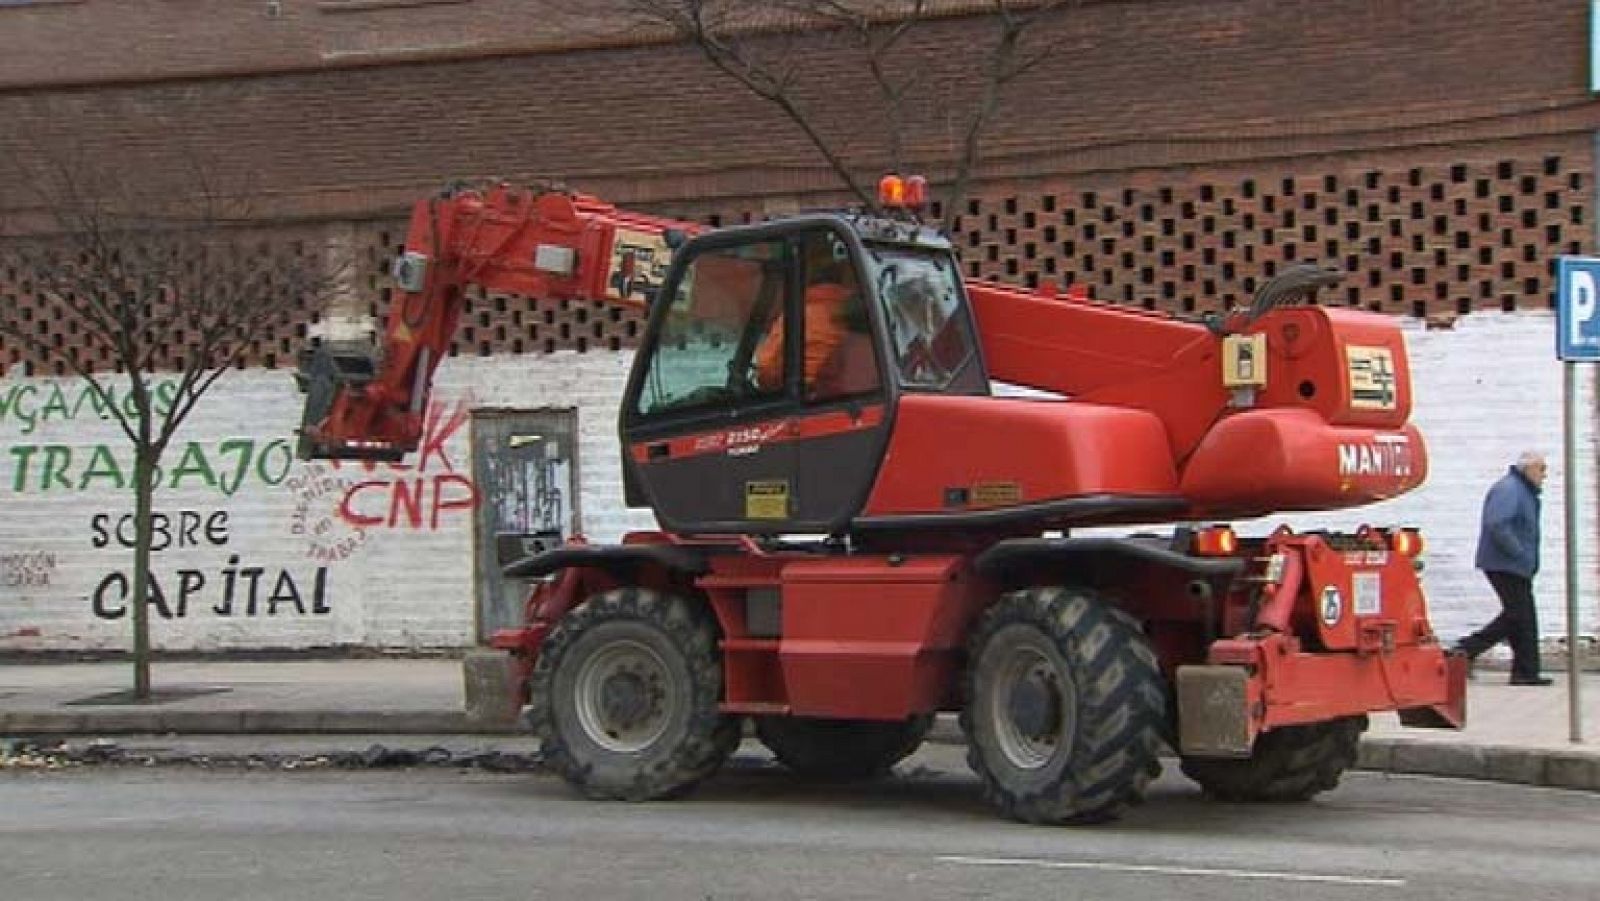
point(386, 586)
point(1485, 390)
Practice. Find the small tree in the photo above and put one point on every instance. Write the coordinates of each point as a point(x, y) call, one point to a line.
point(766, 47)
point(118, 274)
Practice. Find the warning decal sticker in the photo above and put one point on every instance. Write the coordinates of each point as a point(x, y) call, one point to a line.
point(1372, 377)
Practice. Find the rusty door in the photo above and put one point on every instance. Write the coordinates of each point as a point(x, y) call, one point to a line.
point(525, 466)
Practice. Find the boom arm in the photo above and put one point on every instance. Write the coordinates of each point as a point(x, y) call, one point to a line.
point(548, 245)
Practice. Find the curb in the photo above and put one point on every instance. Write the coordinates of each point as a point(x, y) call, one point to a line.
point(1553, 768)
point(247, 722)
point(1547, 767)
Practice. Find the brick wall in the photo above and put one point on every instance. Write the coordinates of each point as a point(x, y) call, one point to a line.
point(1432, 233)
point(1438, 151)
point(1139, 84)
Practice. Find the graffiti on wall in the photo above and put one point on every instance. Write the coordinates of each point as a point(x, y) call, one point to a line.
point(420, 495)
point(318, 493)
point(29, 405)
point(27, 569)
point(232, 590)
point(206, 561)
point(225, 465)
point(339, 506)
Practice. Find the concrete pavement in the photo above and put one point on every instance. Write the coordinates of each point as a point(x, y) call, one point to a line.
point(1515, 734)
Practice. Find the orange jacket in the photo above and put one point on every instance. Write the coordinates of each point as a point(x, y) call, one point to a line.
point(824, 333)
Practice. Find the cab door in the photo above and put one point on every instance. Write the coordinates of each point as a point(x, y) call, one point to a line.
point(737, 418)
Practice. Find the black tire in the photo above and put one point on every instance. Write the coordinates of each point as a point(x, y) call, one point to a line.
point(1286, 765)
point(1066, 707)
point(625, 697)
point(841, 750)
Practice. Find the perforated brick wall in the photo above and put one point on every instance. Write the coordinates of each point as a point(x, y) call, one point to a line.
point(1436, 240)
point(1440, 239)
point(265, 255)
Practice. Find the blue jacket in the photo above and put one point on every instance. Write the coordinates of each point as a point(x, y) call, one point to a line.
point(1508, 540)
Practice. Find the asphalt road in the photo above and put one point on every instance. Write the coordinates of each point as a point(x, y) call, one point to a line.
point(189, 833)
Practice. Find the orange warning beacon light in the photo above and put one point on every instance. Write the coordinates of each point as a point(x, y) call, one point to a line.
point(892, 191)
point(896, 193)
point(916, 192)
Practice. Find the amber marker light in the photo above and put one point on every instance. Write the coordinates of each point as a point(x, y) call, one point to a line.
point(1407, 543)
point(1216, 541)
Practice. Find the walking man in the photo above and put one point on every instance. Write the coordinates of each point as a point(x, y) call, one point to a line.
point(1508, 554)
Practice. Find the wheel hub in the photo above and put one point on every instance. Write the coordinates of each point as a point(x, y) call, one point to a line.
point(625, 699)
point(1035, 708)
point(622, 699)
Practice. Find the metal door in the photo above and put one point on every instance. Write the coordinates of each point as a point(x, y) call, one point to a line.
point(525, 466)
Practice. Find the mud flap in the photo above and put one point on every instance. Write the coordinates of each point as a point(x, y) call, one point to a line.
point(1452, 714)
point(1214, 711)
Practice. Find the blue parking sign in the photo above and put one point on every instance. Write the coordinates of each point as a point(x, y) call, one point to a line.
point(1578, 309)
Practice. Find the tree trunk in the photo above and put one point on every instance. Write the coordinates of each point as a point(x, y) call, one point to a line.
point(143, 492)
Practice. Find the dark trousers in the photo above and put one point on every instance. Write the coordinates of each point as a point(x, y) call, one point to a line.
point(1517, 625)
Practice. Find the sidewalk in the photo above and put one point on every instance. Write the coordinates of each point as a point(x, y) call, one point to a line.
point(396, 696)
point(1515, 734)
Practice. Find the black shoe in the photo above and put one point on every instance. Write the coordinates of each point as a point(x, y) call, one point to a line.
point(1531, 680)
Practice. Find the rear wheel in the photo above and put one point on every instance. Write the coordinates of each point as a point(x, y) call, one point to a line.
point(1066, 707)
point(841, 749)
point(1286, 765)
point(625, 696)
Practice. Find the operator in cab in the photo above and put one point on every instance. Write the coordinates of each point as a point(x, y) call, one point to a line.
point(832, 302)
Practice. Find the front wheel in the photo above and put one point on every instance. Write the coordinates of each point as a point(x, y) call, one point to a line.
point(1286, 765)
point(1066, 707)
point(625, 697)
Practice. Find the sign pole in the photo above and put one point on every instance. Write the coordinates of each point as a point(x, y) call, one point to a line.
point(1577, 341)
point(1569, 478)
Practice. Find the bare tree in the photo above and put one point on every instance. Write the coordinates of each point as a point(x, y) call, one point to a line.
point(877, 40)
point(767, 47)
point(1008, 58)
point(138, 275)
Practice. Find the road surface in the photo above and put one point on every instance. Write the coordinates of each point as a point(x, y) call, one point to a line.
point(174, 833)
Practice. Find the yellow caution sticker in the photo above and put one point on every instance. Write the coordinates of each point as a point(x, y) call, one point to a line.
point(768, 499)
point(996, 494)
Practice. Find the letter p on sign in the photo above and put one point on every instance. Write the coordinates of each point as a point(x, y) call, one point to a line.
point(1578, 309)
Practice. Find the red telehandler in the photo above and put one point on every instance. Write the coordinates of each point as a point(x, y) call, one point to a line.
point(856, 533)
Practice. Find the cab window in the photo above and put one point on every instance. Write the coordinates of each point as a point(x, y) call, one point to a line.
point(929, 335)
point(728, 301)
point(840, 359)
